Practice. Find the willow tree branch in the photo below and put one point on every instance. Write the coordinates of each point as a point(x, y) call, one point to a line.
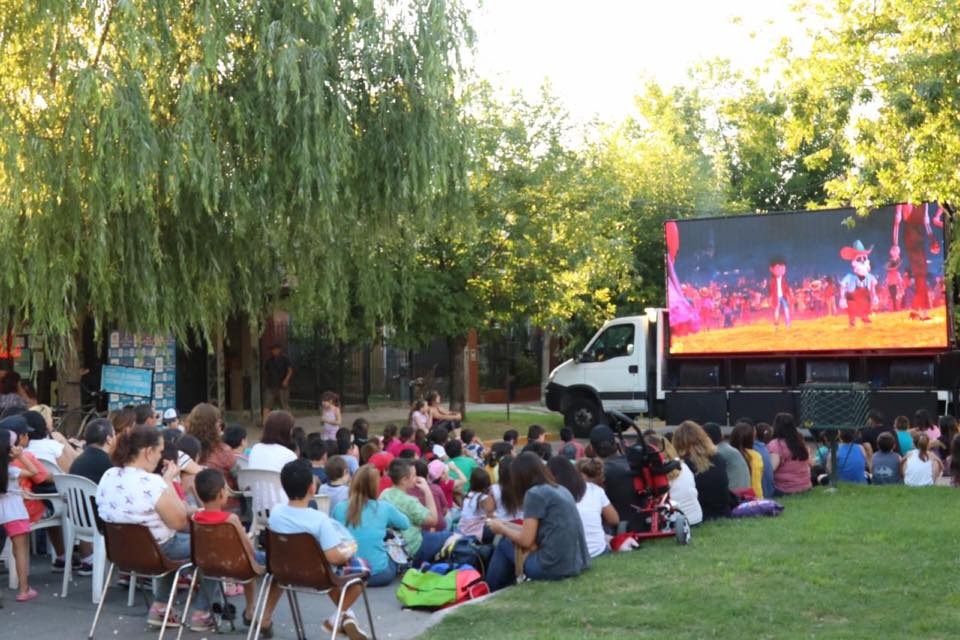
point(103, 36)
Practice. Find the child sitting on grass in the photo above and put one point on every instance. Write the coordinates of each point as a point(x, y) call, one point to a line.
point(471, 446)
point(478, 505)
point(886, 463)
point(338, 481)
point(211, 488)
point(337, 544)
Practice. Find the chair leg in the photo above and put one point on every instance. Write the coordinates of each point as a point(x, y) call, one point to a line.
point(186, 605)
point(261, 608)
point(366, 603)
point(336, 620)
point(99, 565)
point(103, 597)
point(67, 557)
point(295, 613)
point(303, 628)
point(173, 594)
point(261, 594)
point(132, 591)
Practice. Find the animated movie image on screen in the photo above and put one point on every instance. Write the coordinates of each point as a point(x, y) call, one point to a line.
point(807, 281)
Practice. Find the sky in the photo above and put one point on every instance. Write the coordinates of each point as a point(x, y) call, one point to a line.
point(598, 53)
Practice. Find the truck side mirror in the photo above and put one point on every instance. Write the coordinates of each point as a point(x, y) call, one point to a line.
point(585, 356)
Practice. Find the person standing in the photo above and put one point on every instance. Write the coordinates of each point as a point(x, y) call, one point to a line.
point(278, 372)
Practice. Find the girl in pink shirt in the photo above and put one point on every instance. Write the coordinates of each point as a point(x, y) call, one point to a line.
point(789, 457)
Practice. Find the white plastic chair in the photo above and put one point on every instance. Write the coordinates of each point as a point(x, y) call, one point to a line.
point(79, 494)
point(264, 490)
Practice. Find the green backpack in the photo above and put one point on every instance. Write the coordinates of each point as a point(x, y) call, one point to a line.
point(429, 590)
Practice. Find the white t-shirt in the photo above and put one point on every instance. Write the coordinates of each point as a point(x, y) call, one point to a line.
point(440, 452)
point(127, 495)
point(419, 420)
point(271, 457)
point(683, 492)
point(916, 472)
point(590, 506)
point(501, 513)
point(11, 502)
point(46, 449)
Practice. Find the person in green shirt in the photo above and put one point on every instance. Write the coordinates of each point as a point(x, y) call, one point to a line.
point(466, 464)
point(421, 545)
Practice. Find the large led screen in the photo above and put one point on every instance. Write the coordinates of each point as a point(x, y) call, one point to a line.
point(807, 281)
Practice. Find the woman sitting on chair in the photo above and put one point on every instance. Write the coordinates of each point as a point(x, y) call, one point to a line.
point(131, 494)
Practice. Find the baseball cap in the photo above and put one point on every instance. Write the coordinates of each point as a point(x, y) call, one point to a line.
point(170, 414)
point(435, 469)
point(15, 424)
point(601, 433)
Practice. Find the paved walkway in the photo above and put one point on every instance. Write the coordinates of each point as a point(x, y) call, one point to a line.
point(50, 616)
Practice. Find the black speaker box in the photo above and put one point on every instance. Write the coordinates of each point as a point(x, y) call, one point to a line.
point(905, 373)
point(765, 374)
point(698, 374)
point(828, 371)
point(699, 406)
point(761, 406)
point(903, 403)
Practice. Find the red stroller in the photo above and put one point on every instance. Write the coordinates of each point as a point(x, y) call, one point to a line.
point(656, 515)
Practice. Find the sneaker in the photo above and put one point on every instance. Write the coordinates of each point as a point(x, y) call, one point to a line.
point(59, 565)
point(123, 580)
point(202, 623)
point(155, 618)
point(85, 569)
point(353, 630)
point(233, 590)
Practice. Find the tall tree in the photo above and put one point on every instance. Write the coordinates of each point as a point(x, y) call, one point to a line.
point(166, 164)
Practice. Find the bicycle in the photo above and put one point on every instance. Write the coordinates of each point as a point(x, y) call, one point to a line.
point(63, 415)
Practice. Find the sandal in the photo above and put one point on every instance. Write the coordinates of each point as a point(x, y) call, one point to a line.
point(26, 597)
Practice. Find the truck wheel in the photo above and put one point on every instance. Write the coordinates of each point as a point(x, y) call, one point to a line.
point(581, 415)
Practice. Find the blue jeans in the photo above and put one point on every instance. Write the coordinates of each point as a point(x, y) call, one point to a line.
point(384, 577)
point(502, 570)
point(178, 548)
point(783, 303)
point(433, 541)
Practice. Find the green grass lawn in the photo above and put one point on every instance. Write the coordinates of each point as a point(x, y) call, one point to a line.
point(490, 425)
point(864, 562)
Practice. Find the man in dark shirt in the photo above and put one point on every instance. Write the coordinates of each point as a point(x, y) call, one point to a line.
point(92, 464)
point(870, 433)
point(95, 459)
point(277, 373)
point(617, 477)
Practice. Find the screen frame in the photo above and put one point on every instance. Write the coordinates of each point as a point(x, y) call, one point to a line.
point(905, 351)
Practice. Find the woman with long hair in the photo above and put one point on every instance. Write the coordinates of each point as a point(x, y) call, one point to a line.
point(741, 439)
point(205, 425)
point(367, 519)
point(552, 531)
point(131, 493)
point(920, 468)
point(789, 457)
point(698, 452)
point(275, 448)
point(449, 420)
point(508, 507)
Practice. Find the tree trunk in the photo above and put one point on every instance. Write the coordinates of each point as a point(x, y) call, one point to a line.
point(457, 347)
point(69, 371)
point(545, 364)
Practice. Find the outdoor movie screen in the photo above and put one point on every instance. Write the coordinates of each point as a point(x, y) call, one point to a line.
point(808, 282)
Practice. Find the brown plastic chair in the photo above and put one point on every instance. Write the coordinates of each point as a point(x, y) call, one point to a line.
point(131, 547)
point(297, 564)
point(217, 551)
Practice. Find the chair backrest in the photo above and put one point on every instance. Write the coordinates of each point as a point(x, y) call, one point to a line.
point(264, 489)
point(323, 503)
point(218, 550)
point(296, 560)
point(51, 466)
point(80, 496)
point(132, 548)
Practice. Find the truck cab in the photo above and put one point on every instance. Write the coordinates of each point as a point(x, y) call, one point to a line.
point(614, 371)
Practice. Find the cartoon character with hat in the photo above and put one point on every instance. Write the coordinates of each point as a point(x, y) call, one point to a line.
point(858, 290)
point(781, 295)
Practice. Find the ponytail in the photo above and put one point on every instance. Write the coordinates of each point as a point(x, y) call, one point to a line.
point(132, 441)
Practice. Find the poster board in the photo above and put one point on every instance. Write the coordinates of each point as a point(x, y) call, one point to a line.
point(155, 353)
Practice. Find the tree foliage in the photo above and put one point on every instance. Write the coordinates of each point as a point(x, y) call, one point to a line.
point(167, 164)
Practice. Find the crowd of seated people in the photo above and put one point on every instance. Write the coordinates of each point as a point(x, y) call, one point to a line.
point(398, 500)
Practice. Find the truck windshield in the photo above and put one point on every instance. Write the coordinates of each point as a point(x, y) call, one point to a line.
point(614, 342)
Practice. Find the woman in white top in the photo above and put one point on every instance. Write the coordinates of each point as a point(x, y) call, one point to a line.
point(683, 485)
point(919, 467)
point(275, 448)
point(592, 502)
point(131, 494)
